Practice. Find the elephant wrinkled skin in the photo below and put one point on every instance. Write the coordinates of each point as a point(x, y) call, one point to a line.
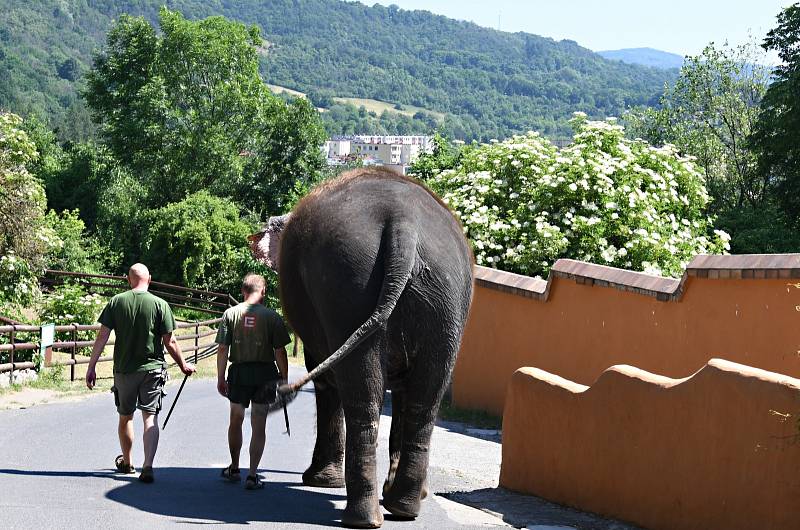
point(373, 265)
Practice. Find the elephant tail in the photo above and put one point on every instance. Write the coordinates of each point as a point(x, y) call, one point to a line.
point(400, 242)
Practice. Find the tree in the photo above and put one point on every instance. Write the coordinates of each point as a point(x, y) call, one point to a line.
point(709, 113)
point(187, 110)
point(445, 155)
point(776, 134)
point(199, 241)
point(604, 198)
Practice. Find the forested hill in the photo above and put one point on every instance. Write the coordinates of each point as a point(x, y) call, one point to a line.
point(487, 83)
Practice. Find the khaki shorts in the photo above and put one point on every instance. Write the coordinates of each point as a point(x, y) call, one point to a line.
point(142, 390)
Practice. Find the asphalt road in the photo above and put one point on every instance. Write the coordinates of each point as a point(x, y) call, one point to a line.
point(56, 466)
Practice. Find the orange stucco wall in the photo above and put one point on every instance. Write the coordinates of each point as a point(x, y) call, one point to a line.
point(717, 450)
point(581, 330)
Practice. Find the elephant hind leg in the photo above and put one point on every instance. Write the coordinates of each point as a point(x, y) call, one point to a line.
point(395, 437)
point(325, 470)
point(360, 378)
point(425, 387)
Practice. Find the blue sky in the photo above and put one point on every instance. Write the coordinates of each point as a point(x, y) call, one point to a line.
point(678, 26)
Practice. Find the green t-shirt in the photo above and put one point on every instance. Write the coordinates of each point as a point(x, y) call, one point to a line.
point(138, 319)
point(253, 332)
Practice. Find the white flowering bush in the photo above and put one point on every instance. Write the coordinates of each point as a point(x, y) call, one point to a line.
point(18, 283)
point(603, 199)
point(69, 304)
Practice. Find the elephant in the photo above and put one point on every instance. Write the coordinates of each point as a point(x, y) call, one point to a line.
point(376, 278)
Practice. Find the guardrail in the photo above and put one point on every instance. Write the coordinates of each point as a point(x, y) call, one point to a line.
point(200, 351)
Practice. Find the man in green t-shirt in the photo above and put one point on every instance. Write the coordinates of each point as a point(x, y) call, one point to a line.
point(143, 326)
point(254, 339)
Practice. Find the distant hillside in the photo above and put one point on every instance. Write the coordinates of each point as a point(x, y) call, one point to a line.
point(644, 57)
point(486, 83)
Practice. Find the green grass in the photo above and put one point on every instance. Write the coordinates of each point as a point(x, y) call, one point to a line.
point(372, 105)
point(376, 106)
point(473, 418)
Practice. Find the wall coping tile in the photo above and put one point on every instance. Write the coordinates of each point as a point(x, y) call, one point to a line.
point(712, 267)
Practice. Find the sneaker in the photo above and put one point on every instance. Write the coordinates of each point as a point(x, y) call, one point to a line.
point(253, 482)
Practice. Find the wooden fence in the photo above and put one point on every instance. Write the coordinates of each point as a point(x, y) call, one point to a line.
point(209, 302)
point(194, 347)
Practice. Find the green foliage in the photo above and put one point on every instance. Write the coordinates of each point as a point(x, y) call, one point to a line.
point(285, 150)
point(121, 218)
point(762, 230)
point(186, 110)
point(76, 251)
point(200, 241)
point(708, 113)
point(488, 83)
point(776, 134)
point(604, 199)
point(445, 155)
point(83, 171)
point(346, 119)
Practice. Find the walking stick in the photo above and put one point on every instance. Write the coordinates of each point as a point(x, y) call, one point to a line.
point(286, 415)
point(185, 377)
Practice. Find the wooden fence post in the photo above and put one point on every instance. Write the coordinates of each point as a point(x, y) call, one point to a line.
point(74, 351)
point(196, 340)
point(11, 356)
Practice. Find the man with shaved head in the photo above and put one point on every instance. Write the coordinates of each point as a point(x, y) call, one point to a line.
point(143, 325)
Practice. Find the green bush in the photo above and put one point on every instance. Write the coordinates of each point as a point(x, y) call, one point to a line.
point(77, 251)
point(199, 242)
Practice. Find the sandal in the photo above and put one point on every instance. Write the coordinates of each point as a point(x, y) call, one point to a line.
point(122, 467)
point(253, 483)
point(231, 474)
point(147, 475)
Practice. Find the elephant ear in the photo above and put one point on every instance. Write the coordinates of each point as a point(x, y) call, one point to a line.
point(265, 245)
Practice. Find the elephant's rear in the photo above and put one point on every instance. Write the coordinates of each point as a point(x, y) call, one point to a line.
point(334, 251)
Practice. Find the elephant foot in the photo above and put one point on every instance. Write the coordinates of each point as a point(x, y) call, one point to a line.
point(405, 506)
point(330, 476)
point(362, 518)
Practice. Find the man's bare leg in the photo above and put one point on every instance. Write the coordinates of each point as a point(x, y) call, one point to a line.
point(258, 438)
point(235, 433)
point(125, 432)
point(150, 437)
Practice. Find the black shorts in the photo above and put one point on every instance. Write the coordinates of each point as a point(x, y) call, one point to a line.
point(254, 382)
point(259, 395)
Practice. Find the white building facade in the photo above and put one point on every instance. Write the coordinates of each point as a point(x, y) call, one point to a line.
point(398, 152)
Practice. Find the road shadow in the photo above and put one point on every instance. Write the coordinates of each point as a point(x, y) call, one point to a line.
point(109, 474)
point(522, 511)
point(201, 496)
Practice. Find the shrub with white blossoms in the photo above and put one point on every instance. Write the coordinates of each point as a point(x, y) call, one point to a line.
point(70, 304)
point(18, 283)
point(604, 199)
